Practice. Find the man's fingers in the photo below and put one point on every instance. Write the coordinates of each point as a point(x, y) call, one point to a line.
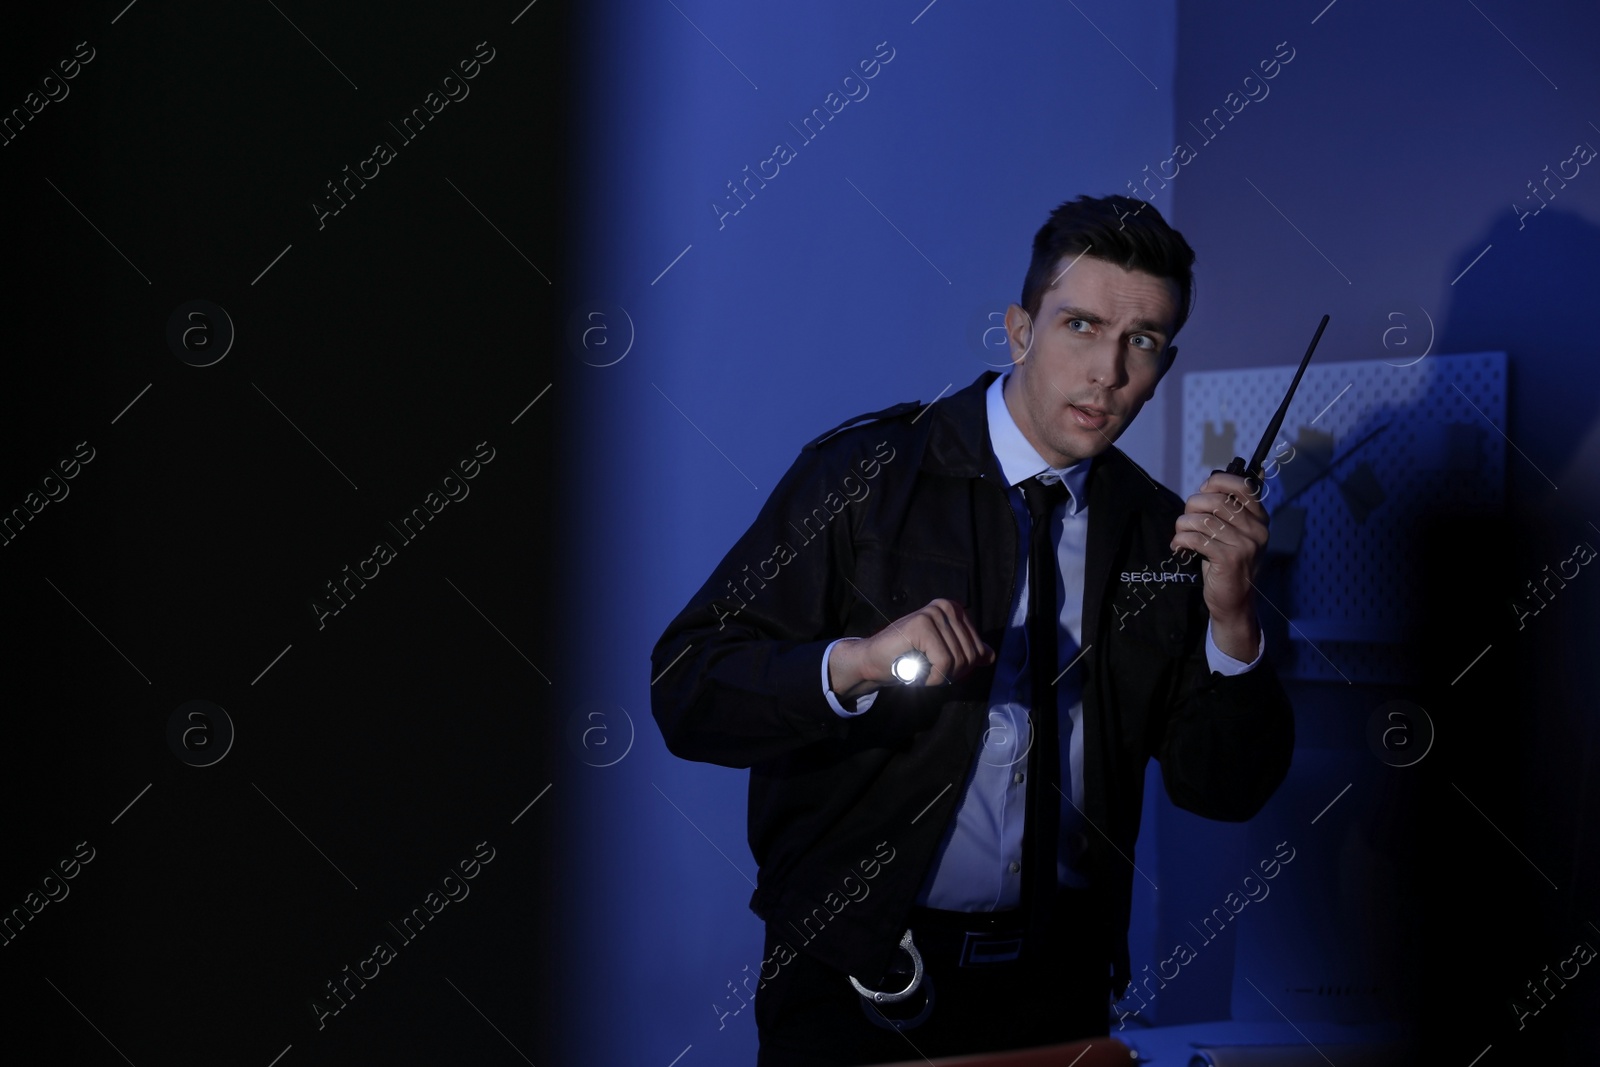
point(978, 650)
point(958, 631)
point(944, 633)
point(954, 658)
point(1232, 484)
point(1223, 517)
point(941, 660)
point(1225, 504)
point(1234, 530)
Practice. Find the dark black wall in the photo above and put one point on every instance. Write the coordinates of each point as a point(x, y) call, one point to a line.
point(374, 749)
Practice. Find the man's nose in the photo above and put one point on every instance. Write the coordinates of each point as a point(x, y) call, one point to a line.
point(1108, 363)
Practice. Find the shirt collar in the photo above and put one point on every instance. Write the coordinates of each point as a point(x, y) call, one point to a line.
point(1018, 459)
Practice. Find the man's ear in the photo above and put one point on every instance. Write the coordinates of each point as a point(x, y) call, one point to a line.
point(1168, 359)
point(1019, 333)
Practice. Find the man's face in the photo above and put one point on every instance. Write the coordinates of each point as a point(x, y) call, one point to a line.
point(1084, 369)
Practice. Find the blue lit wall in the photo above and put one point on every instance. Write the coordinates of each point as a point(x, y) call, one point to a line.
point(858, 277)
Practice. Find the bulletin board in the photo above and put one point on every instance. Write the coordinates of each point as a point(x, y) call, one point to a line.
point(1366, 450)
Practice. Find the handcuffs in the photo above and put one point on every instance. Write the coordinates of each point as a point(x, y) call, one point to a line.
point(880, 997)
point(872, 998)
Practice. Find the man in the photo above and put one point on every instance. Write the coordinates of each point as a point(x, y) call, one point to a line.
point(932, 881)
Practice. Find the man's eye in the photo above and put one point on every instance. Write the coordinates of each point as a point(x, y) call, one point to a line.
point(1142, 341)
point(1073, 324)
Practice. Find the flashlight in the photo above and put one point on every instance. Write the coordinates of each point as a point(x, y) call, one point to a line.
point(909, 668)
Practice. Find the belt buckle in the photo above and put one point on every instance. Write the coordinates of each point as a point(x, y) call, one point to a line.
point(981, 949)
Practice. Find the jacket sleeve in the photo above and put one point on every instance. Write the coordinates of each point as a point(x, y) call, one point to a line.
point(1228, 742)
point(739, 669)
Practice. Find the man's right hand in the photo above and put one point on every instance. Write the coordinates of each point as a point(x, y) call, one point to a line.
point(942, 631)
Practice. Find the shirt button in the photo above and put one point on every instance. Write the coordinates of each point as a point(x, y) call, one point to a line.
point(1017, 778)
point(1015, 867)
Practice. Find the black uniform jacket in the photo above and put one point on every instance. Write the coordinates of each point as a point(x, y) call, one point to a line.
point(871, 522)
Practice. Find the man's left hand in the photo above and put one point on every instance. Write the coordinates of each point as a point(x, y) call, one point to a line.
point(1226, 524)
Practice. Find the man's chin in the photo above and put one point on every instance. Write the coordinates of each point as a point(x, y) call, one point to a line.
point(1079, 449)
point(1086, 443)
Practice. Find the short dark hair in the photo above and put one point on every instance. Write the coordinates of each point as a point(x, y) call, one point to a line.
point(1118, 229)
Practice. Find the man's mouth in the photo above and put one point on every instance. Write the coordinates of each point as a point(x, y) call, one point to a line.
point(1090, 418)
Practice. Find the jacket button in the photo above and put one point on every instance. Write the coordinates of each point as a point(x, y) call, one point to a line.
point(1015, 867)
point(897, 597)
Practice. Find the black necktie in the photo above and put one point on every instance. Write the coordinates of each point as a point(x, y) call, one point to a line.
point(1043, 819)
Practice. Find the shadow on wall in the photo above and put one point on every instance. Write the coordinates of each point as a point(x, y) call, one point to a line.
point(1533, 294)
point(1519, 587)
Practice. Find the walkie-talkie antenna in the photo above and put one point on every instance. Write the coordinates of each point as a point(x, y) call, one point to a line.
point(1253, 470)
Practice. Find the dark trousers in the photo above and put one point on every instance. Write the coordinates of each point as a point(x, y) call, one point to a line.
point(809, 1015)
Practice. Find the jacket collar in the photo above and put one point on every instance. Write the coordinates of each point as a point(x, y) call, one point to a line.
point(958, 433)
point(957, 445)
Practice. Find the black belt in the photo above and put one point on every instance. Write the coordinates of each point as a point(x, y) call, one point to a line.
point(986, 938)
point(968, 938)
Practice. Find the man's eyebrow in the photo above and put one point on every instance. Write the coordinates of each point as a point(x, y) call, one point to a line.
point(1143, 325)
